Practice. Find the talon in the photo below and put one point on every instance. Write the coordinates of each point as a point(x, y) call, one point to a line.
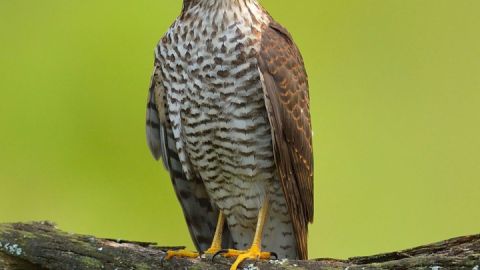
point(219, 253)
point(265, 256)
point(274, 255)
point(254, 253)
point(228, 253)
point(162, 260)
point(212, 251)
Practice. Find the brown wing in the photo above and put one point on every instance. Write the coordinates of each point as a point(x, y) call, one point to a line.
point(285, 87)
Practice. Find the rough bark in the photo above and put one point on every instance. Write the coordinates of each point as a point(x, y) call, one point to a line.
point(40, 245)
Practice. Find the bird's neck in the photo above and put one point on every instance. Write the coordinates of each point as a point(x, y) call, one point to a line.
point(250, 11)
point(215, 3)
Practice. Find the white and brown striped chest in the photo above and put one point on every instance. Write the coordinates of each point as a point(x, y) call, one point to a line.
point(215, 99)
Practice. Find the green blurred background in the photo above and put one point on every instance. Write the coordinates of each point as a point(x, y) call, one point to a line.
point(395, 88)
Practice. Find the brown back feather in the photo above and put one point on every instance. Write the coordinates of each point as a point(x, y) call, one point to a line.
point(287, 102)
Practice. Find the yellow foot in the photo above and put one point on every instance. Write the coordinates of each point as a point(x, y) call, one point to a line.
point(181, 253)
point(254, 253)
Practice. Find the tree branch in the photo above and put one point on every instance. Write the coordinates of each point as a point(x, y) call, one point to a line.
point(40, 245)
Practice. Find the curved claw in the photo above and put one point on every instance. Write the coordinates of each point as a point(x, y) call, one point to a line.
point(219, 253)
point(274, 255)
point(162, 260)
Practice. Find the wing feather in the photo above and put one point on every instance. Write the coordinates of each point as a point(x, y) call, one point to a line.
point(156, 132)
point(285, 88)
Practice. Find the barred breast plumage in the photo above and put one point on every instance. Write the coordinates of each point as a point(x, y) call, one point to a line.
point(214, 103)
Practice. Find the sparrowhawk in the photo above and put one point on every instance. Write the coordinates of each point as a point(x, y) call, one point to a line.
point(228, 114)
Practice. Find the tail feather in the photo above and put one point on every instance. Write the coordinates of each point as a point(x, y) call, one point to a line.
point(200, 214)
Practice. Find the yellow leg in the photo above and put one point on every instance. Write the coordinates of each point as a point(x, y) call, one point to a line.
point(255, 252)
point(216, 243)
point(217, 238)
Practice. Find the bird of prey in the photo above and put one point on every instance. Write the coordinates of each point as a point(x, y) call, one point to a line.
point(228, 114)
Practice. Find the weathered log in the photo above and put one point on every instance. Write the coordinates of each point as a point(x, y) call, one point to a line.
point(40, 245)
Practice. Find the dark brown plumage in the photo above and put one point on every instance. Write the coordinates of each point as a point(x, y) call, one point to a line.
point(287, 102)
